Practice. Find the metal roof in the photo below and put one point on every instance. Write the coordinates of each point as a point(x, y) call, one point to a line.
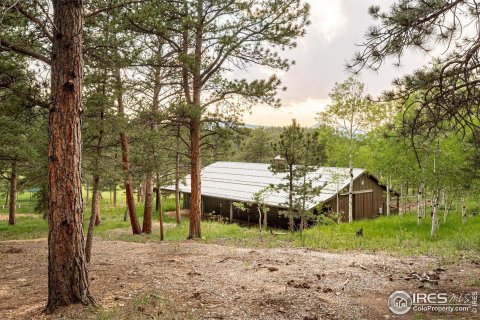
point(239, 181)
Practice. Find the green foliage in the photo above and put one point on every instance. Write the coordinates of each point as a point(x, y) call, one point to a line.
point(298, 156)
point(443, 96)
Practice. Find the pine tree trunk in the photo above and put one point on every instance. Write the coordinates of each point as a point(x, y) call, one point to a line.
point(115, 196)
point(13, 194)
point(177, 179)
point(350, 189)
point(132, 211)
point(196, 196)
point(160, 214)
point(147, 213)
point(96, 195)
point(68, 280)
point(93, 217)
point(157, 197)
point(195, 129)
point(291, 222)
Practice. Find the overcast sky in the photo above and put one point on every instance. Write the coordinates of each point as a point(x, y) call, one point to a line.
point(337, 26)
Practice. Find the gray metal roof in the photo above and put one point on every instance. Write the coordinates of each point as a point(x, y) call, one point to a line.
point(239, 181)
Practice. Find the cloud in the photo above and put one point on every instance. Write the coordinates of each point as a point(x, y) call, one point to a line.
point(304, 111)
point(337, 26)
point(328, 18)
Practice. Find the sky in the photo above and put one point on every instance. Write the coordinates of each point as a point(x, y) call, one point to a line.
point(337, 26)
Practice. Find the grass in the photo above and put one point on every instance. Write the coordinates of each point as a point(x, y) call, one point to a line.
point(400, 235)
point(146, 306)
point(397, 235)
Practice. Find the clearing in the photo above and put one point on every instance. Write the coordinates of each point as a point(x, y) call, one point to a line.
point(194, 280)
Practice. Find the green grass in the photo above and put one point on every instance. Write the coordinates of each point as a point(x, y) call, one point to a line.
point(400, 235)
point(397, 235)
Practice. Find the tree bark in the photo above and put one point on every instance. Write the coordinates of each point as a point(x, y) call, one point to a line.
point(93, 217)
point(160, 214)
point(290, 199)
point(115, 196)
point(13, 194)
point(68, 280)
point(157, 198)
point(196, 183)
point(195, 128)
point(98, 220)
point(147, 213)
point(132, 211)
point(177, 179)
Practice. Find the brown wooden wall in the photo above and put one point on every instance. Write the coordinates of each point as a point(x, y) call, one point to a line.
point(365, 205)
point(250, 215)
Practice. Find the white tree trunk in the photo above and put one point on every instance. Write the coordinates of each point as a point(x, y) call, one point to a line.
point(388, 196)
point(445, 209)
point(424, 207)
point(400, 202)
point(419, 206)
point(350, 191)
point(339, 218)
point(435, 214)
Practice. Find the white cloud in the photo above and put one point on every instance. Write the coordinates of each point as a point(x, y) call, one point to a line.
point(328, 17)
point(304, 111)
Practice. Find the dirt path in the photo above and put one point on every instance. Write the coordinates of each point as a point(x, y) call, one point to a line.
point(201, 281)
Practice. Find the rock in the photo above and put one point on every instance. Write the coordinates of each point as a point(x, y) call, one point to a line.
point(271, 269)
point(327, 290)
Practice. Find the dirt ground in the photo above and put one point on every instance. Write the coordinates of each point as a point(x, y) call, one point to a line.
point(205, 281)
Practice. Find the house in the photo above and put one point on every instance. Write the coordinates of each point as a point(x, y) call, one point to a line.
point(224, 183)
